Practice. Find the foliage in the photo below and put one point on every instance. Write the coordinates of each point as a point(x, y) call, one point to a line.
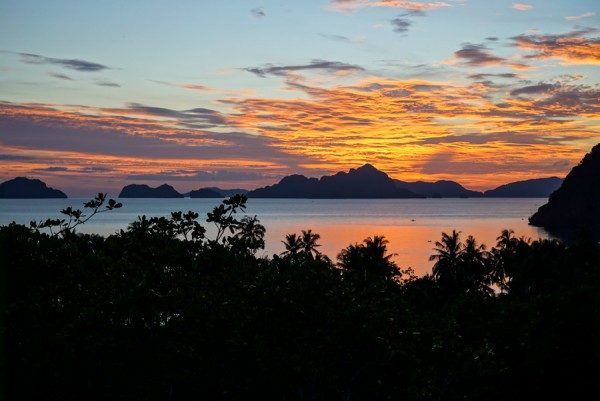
point(160, 311)
point(76, 216)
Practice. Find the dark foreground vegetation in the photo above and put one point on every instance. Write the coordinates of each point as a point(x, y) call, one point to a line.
point(160, 312)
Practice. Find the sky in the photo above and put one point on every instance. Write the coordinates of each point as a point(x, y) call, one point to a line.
point(96, 95)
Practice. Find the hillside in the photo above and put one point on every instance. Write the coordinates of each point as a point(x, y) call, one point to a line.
point(438, 189)
point(144, 191)
point(365, 182)
point(576, 204)
point(535, 188)
point(25, 188)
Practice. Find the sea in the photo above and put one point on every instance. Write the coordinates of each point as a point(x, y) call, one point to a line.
point(412, 226)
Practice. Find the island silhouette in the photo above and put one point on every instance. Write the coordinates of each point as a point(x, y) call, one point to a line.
point(365, 182)
point(575, 206)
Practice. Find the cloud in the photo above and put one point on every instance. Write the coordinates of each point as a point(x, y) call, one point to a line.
point(317, 65)
point(351, 5)
point(212, 176)
point(14, 157)
point(533, 89)
point(452, 164)
point(60, 76)
point(574, 47)
point(206, 89)
point(337, 38)
point(52, 169)
point(522, 7)
point(72, 64)
point(504, 75)
point(475, 55)
point(205, 117)
point(258, 12)
point(145, 134)
point(398, 122)
point(580, 16)
point(401, 25)
point(108, 84)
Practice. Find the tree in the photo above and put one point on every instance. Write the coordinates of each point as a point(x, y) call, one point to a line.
point(474, 263)
point(447, 257)
point(303, 246)
point(293, 245)
point(369, 261)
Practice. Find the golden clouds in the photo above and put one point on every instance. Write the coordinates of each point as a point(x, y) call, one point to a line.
point(399, 124)
point(574, 47)
point(349, 5)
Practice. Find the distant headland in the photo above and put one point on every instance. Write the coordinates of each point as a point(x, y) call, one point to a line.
point(144, 191)
point(575, 205)
point(25, 188)
point(365, 182)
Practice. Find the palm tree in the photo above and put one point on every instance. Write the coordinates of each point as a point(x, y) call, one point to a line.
point(447, 255)
point(293, 245)
point(369, 259)
point(474, 261)
point(505, 247)
point(376, 251)
point(251, 234)
point(309, 244)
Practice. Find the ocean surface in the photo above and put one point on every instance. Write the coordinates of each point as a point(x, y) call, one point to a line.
point(411, 225)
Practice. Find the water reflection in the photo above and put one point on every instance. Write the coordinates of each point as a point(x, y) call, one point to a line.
point(411, 244)
point(411, 225)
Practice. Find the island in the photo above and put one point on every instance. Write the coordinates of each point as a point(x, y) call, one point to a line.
point(205, 193)
point(215, 192)
point(25, 188)
point(365, 182)
point(438, 189)
point(144, 191)
point(575, 206)
point(535, 188)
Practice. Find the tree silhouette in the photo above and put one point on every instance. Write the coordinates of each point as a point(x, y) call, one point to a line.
point(447, 256)
point(293, 245)
point(368, 261)
point(474, 266)
point(309, 244)
point(303, 246)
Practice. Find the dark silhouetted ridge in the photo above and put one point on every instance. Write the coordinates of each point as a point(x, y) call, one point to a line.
point(438, 189)
point(25, 188)
point(536, 188)
point(576, 204)
point(206, 193)
point(144, 191)
point(365, 182)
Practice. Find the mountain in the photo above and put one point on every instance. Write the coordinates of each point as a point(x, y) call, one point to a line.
point(438, 189)
point(536, 188)
point(206, 193)
point(25, 188)
point(144, 191)
point(364, 183)
point(576, 204)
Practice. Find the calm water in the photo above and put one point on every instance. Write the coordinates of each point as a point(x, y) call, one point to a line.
point(411, 225)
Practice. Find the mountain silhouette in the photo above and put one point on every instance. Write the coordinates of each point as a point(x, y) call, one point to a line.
point(536, 188)
point(438, 189)
point(209, 192)
point(144, 191)
point(205, 193)
point(25, 188)
point(365, 182)
point(576, 204)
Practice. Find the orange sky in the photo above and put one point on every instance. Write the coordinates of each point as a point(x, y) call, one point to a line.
point(479, 109)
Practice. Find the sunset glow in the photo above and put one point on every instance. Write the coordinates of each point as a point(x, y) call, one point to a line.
point(482, 93)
